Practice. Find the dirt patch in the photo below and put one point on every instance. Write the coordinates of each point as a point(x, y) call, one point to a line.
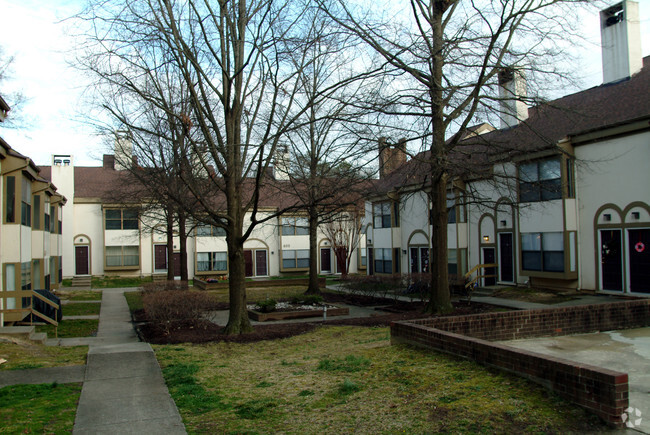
point(532, 295)
point(207, 331)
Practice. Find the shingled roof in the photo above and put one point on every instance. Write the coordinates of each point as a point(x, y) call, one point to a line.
point(606, 105)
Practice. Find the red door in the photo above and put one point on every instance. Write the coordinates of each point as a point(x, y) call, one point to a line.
point(325, 260)
point(177, 264)
point(260, 263)
point(160, 257)
point(81, 260)
point(248, 259)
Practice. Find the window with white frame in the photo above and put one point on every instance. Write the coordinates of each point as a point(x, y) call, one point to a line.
point(295, 226)
point(295, 259)
point(122, 256)
point(383, 260)
point(121, 219)
point(540, 180)
point(212, 261)
point(543, 252)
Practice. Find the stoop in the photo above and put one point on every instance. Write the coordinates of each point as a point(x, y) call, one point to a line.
point(24, 333)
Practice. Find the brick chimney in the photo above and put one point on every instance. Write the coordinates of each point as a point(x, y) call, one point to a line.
point(391, 157)
point(109, 161)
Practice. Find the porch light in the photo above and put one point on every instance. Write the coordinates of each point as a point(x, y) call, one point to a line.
point(486, 238)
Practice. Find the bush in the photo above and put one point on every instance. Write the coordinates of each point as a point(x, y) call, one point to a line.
point(266, 306)
point(152, 287)
point(380, 286)
point(307, 299)
point(164, 308)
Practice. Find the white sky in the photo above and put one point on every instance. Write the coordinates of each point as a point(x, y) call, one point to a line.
point(31, 30)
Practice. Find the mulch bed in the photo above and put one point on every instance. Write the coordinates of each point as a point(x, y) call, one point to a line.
point(205, 331)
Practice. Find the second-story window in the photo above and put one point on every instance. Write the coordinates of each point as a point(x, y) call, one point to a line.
point(382, 215)
point(26, 204)
point(37, 212)
point(295, 226)
point(210, 231)
point(121, 219)
point(540, 180)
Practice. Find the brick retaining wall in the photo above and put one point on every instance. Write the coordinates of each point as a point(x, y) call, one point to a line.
point(602, 391)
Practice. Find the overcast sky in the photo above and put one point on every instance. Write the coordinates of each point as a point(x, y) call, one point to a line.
point(32, 31)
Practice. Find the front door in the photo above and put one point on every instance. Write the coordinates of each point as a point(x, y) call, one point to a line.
point(611, 260)
point(639, 251)
point(415, 260)
point(160, 257)
point(177, 264)
point(488, 258)
point(81, 263)
point(326, 260)
point(261, 268)
point(248, 260)
point(506, 260)
point(370, 259)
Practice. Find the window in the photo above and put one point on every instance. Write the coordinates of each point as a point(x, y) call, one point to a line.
point(10, 198)
point(52, 220)
point(364, 257)
point(295, 226)
point(122, 256)
point(452, 261)
point(542, 252)
point(210, 231)
point(121, 219)
point(569, 179)
point(59, 221)
point(60, 262)
point(212, 261)
point(382, 215)
point(37, 212)
point(540, 180)
point(451, 208)
point(26, 276)
point(295, 259)
point(383, 261)
point(26, 204)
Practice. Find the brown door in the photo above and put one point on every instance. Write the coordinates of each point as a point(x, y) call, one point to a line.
point(160, 257)
point(248, 259)
point(81, 260)
point(260, 263)
point(325, 260)
point(639, 251)
point(177, 264)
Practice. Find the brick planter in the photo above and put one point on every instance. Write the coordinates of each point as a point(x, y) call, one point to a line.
point(601, 391)
point(204, 285)
point(299, 314)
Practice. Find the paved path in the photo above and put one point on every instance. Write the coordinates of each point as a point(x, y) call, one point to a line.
point(123, 391)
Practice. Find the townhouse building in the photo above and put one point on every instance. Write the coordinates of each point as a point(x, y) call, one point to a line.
point(562, 200)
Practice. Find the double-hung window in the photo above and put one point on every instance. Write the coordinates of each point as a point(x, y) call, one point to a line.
point(212, 261)
point(295, 259)
point(210, 231)
point(383, 260)
point(26, 204)
point(540, 180)
point(122, 256)
point(543, 252)
point(295, 226)
point(121, 219)
point(382, 216)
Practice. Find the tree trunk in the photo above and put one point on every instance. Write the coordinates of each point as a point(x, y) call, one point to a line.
point(238, 321)
point(182, 236)
point(313, 288)
point(170, 244)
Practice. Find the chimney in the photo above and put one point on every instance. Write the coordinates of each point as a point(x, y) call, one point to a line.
point(123, 151)
point(391, 157)
point(281, 163)
point(109, 161)
point(512, 92)
point(620, 35)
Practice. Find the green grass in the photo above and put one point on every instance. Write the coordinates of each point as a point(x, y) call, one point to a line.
point(23, 354)
point(134, 300)
point(118, 281)
point(44, 408)
point(71, 328)
point(81, 309)
point(277, 386)
point(79, 295)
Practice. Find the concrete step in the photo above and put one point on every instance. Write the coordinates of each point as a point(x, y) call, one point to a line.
point(38, 337)
point(24, 333)
point(81, 281)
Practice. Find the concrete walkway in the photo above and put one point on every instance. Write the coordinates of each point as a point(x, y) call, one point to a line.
point(123, 391)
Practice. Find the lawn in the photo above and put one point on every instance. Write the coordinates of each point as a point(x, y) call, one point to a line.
point(71, 328)
point(81, 309)
point(350, 379)
point(24, 354)
point(255, 294)
point(118, 281)
point(79, 295)
point(44, 408)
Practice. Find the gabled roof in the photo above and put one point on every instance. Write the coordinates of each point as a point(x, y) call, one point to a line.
point(595, 108)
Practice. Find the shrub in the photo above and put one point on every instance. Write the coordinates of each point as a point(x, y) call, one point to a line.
point(307, 299)
point(379, 286)
point(152, 287)
point(266, 306)
point(164, 308)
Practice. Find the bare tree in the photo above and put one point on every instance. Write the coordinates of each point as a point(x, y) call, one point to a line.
point(227, 78)
point(447, 55)
point(15, 100)
point(344, 231)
